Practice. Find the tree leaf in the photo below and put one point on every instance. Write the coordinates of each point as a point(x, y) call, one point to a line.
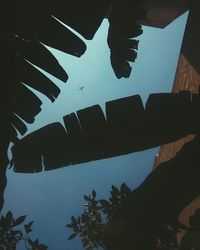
point(86, 198)
point(9, 218)
point(115, 191)
point(84, 218)
point(104, 203)
point(114, 200)
point(30, 242)
point(43, 247)
point(3, 223)
point(72, 236)
point(27, 227)
point(69, 225)
point(124, 189)
point(94, 194)
point(19, 220)
point(73, 220)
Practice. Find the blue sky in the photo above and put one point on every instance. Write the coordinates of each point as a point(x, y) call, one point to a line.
point(50, 198)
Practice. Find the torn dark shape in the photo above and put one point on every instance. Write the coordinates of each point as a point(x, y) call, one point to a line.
point(128, 127)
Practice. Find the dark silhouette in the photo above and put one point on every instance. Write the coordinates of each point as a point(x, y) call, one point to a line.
point(89, 135)
point(128, 127)
point(10, 235)
point(90, 226)
point(98, 225)
point(26, 31)
point(32, 25)
point(29, 28)
point(159, 199)
point(123, 19)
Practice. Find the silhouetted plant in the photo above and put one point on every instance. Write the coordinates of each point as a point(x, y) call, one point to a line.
point(91, 224)
point(109, 207)
point(10, 235)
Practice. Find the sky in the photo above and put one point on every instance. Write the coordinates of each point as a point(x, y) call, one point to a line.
point(51, 198)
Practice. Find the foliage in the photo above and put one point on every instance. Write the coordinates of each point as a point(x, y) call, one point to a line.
point(91, 224)
point(10, 235)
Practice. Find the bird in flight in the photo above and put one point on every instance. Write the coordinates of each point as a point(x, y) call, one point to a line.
point(81, 88)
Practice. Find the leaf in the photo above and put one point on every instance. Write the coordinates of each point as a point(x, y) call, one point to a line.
point(104, 203)
point(19, 220)
point(72, 236)
point(115, 191)
point(9, 215)
point(79, 220)
point(114, 200)
point(124, 189)
point(86, 198)
point(94, 194)
point(3, 223)
point(9, 218)
point(73, 220)
point(42, 247)
point(16, 232)
point(16, 235)
point(27, 227)
point(69, 225)
point(84, 218)
point(30, 242)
